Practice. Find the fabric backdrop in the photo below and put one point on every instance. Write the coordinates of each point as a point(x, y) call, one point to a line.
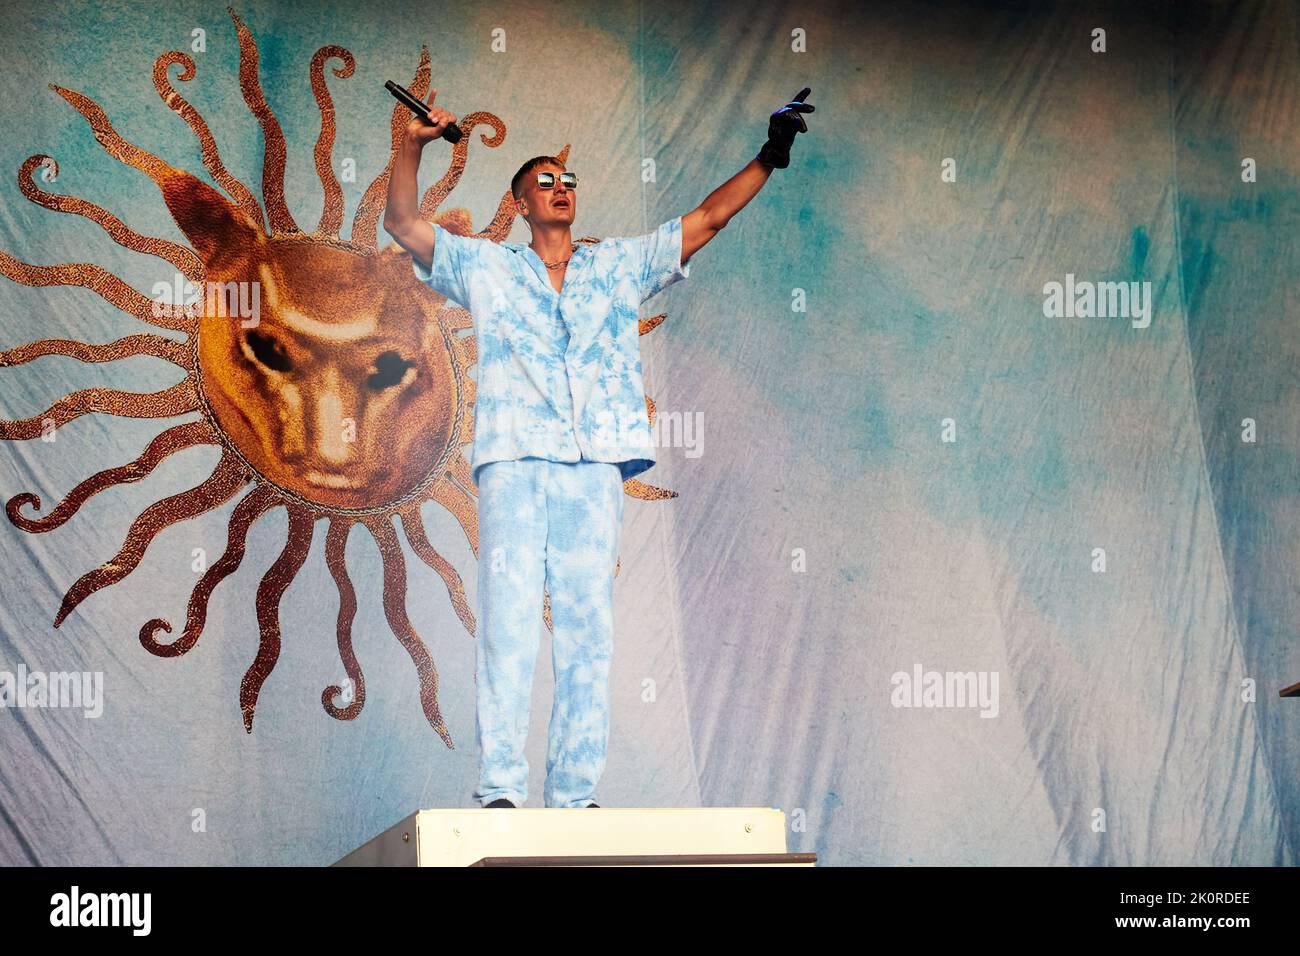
point(896, 459)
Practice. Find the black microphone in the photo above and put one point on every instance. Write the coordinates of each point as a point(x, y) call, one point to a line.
point(451, 134)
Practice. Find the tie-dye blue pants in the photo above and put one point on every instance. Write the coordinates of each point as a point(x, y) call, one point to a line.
point(554, 524)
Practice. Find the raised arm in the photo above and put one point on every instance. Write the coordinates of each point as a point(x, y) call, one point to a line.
point(706, 220)
point(402, 214)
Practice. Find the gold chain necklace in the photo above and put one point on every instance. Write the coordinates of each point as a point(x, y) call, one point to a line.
point(558, 262)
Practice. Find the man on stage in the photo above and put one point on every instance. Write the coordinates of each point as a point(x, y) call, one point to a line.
point(560, 422)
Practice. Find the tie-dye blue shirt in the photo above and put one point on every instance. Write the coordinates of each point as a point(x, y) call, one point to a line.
point(559, 374)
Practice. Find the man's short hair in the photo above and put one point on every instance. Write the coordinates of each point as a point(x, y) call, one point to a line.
point(517, 182)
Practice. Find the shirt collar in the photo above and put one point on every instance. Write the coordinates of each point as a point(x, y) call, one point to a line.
point(534, 261)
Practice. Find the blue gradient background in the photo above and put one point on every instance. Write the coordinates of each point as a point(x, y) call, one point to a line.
point(1119, 691)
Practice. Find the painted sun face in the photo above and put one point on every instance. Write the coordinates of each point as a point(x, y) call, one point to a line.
point(342, 388)
point(343, 396)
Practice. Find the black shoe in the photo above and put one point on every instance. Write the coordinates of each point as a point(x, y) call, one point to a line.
point(590, 805)
point(501, 802)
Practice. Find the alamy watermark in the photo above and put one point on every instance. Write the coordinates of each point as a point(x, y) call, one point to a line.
point(65, 689)
point(1102, 300)
point(182, 298)
point(75, 908)
point(922, 688)
point(623, 431)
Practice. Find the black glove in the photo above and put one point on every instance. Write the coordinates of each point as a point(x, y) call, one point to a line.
point(782, 127)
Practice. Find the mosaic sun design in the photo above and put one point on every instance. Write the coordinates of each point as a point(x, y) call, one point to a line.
point(347, 337)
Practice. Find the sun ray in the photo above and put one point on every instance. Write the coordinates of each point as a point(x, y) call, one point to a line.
point(98, 280)
point(413, 525)
point(218, 488)
point(168, 403)
point(457, 220)
point(639, 489)
point(164, 445)
point(366, 218)
point(458, 501)
point(436, 194)
point(646, 326)
point(183, 259)
point(211, 155)
point(146, 343)
point(395, 610)
point(108, 137)
point(274, 583)
point(251, 507)
point(273, 154)
point(635, 488)
point(502, 219)
point(336, 542)
point(331, 218)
